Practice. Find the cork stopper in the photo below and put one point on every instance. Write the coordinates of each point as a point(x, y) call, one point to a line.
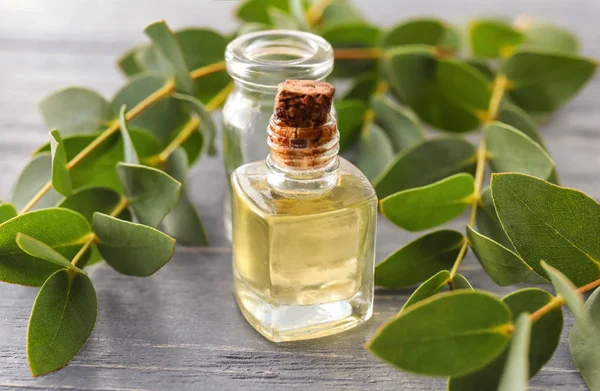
point(302, 134)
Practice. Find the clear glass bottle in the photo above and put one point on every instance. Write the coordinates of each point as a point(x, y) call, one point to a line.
point(303, 240)
point(258, 62)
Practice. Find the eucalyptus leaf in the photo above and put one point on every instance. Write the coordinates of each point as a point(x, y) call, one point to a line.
point(549, 223)
point(516, 370)
point(374, 152)
point(94, 199)
point(415, 32)
point(436, 159)
point(165, 41)
point(151, 193)
point(41, 250)
point(487, 220)
point(432, 286)
point(298, 11)
point(516, 117)
point(62, 320)
point(34, 176)
point(128, 64)
point(502, 265)
point(429, 206)
point(451, 40)
point(493, 38)
point(565, 288)
point(76, 110)
point(282, 20)
point(425, 337)
point(128, 148)
point(542, 80)
point(255, 11)
point(350, 114)
point(362, 88)
point(339, 12)
point(551, 37)
point(207, 126)
point(132, 249)
point(584, 341)
point(444, 92)
point(63, 230)
point(183, 222)
point(400, 123)
point(61, 179)
point(7, 212)
point(482, 66)
point(420, 259)
point(460, 282)
point(510, 150)
point(545, 337)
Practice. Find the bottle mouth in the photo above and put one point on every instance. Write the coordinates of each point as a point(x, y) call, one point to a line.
point(267, 58)
point(303, 150)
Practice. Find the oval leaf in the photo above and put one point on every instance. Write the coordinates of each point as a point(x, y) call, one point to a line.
point(151, 193)
point(415, 32)
point(41, 250)
point(517, 118)
point(516, 370)
point(350, 114)
point(460, 282)
point(352, 35)
point(362, 88)
point(255, 11)
point(493, 38)
point(511, 151)
point(551, 37)
point(128, 148)
point(76, 110)
point(429, 206)
point(436, 160)
point(565, 288)
point(62, 320)
point(7, 212)
point(61, 179)
point(584, 342)
point(34, 176)
point(374, 152)
point(401, 124)
point(63, 230)
point(429, 288)
point(132, 249)
point(128, 64)
point(419, 259)
point(94, 199)
point(546, 222)
point(502, 265)
point(424, 338)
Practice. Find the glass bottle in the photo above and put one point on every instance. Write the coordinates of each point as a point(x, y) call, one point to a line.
point(258, 62)
point(304, 224)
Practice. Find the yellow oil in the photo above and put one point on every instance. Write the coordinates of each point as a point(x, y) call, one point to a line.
point(296, 259)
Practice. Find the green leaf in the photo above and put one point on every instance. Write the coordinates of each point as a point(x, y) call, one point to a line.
point(509, 150)
point(76, 110)
point(501, 264)
point(339, 12)
point(7, 212)
point(487, 220)
point(482, 66)
point(350, 114)
point(584, 342)
point(452, 39)
point(128, 148)
point(62, 320)
point(449, 334)
point(61, 179)
point(542, 80)
point(549, 223)
point(183, 222)
point(545, 336)
point(460, 282)
point(94, 199)
point(63, 230)
point(429, 206)
point(514, 116)
point(362, 88)
point(165, 41)
point(565, 288)
point(419, 260)
point(516, 371)
point(374, 152)
point(436, 159)
point(444, 92)
point(161, 118)
point(400, 123)
point(282, 20)
point(255, 11)
point(207, 126)
point(352, 35)
point(429, 288)
point(493, 38)
point(551, 37)
point(151, 193)
point(132, 249)
point(41, 250)
point(128, 64)
point(298, 10)
point(415, 32)
point(34, 176)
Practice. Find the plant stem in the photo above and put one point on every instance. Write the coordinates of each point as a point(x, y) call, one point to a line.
point(500, 84)
point(558, 301)
point(220, 98)
point(358, 54)
point(157, 95)
point(181, 137)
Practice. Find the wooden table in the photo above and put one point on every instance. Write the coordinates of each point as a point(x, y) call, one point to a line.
point(180, 329)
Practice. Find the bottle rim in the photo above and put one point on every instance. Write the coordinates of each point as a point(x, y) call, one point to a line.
point(264, 59)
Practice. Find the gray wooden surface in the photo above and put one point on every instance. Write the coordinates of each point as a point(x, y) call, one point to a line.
point(180, 329)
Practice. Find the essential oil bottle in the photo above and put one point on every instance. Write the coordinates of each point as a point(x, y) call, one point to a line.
point(303, 225)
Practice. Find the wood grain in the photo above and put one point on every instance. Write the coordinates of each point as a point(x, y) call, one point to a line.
point(180, 329)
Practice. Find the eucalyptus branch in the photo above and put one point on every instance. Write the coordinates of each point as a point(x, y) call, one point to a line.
point(558, 301)
point(114, 127)
point(358, 54)
point(187, 130)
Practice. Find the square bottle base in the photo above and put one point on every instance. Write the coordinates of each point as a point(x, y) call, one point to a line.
point(280, 322)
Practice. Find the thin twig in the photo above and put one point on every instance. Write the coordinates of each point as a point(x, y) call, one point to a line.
point(558, 301)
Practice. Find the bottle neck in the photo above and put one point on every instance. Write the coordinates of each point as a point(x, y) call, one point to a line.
point(303, 162)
